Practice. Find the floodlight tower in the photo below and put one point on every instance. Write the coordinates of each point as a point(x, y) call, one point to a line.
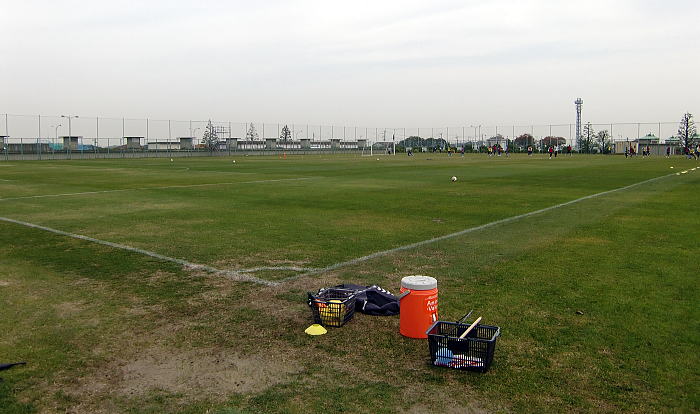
point(579, 105)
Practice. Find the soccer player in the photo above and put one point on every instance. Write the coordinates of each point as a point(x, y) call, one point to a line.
point(551, 152)
point(529, 151)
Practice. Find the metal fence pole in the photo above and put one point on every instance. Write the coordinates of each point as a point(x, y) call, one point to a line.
point(38, 143)
point(170, 135)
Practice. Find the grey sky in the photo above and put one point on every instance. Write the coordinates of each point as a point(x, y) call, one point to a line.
point(368, 63)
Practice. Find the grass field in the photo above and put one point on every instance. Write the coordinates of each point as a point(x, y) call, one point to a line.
point(111, 330)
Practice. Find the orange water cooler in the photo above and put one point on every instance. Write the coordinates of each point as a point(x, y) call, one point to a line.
point(418, 305)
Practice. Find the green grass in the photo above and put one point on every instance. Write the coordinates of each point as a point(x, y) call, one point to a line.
point(80, 312)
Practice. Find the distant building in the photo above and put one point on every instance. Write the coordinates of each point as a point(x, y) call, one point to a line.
point(497, 140)
point(26, 147)
point(133, 142)
point(163, 146)
point(648, 139)
point(186, 143)
point(71, 142)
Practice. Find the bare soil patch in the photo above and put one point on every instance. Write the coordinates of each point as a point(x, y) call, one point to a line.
point(68, 309)
point(194, 373)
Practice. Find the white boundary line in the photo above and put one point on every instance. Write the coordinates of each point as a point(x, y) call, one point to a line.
point(154, 188)
point(229, 274)
point(242, 276)
point(288, 268)
point(463, 232)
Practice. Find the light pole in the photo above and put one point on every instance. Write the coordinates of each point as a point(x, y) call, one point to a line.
point(70, 132)
point(56, 130)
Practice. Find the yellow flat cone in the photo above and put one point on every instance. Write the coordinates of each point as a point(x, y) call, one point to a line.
point(315, 329)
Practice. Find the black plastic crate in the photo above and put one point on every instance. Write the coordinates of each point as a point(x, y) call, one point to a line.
point(332, 307)
point(473, 353)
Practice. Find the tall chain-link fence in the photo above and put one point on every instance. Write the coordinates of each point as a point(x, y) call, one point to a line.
point(69, 136)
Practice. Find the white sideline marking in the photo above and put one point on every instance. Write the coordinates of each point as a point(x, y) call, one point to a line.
point(289, 268)
point(462, 232)
point(154, 188)
point(229, 274)
point(5, 180)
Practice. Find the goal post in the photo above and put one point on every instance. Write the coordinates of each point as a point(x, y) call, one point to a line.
point(379, 148)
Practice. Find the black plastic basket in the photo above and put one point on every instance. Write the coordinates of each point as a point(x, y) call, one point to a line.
point(332, 307)
point(473, 353)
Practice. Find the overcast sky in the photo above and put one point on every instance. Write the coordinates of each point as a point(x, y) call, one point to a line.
point(367, 63)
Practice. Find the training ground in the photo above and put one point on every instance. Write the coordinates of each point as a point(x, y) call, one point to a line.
point(150, 286)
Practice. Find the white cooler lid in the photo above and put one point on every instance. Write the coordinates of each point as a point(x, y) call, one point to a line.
point(419, 282)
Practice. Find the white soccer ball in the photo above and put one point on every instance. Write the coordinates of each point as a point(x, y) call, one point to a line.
point(453, 178)
point(171, 160)
point(234, 161)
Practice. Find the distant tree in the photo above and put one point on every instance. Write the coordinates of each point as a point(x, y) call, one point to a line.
point(415, 142)
point(588, 137)
point(210, 139)
point(603, 141)
point(286, 135)
point(687, 131)
point(412, 142)
point(252, 133)
point(525, 140)
point(552, 141)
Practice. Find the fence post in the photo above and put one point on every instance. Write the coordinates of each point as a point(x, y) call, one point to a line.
point(38, 140)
